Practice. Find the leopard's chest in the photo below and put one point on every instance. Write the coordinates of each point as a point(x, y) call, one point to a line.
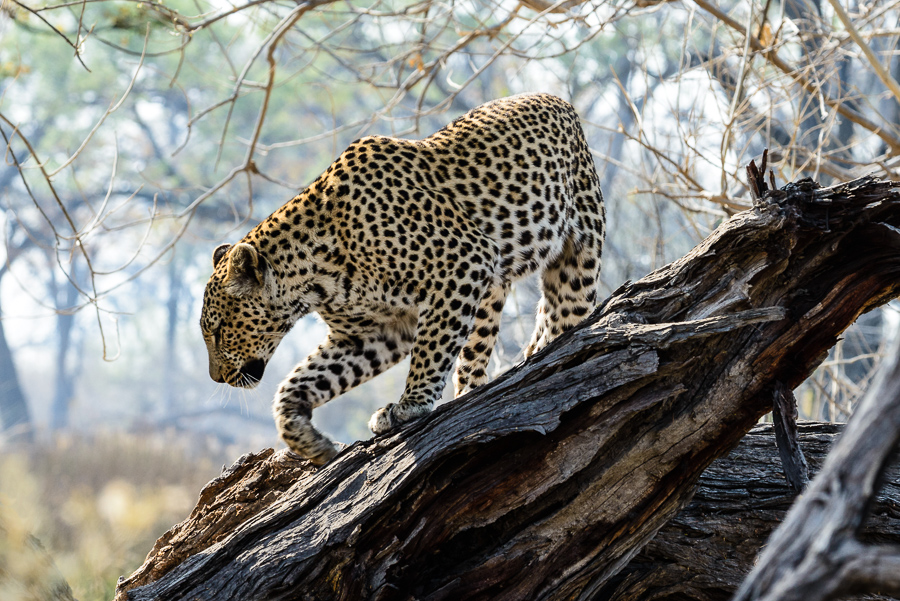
point(367, 316)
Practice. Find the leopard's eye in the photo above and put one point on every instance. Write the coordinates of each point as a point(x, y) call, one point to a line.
point(211, 328)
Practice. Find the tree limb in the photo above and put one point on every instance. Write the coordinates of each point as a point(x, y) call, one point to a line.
point(784, 418)
point(872, 568)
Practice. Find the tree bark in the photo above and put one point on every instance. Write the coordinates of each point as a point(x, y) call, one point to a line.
point(702, 554)
point(545, 483)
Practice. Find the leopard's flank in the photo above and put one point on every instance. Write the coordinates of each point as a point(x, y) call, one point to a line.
point(410, 247)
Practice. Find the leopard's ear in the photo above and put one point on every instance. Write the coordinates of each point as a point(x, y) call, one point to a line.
point(219, 253)
point(246, 270)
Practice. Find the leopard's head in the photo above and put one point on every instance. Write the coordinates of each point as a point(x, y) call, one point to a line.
point(241, 320)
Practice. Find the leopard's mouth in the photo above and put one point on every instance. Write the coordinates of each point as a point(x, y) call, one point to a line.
point(250, 374)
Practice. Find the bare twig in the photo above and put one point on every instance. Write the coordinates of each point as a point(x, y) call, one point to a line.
point(74, 45)
point(885, 77)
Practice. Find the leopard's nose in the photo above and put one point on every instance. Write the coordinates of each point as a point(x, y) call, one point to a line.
point(216, 374)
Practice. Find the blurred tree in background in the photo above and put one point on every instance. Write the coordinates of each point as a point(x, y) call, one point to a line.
point(139, 135)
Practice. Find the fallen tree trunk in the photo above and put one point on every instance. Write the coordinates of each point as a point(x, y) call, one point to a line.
point(546, 482)
point(708, 549)
point(702, 554)
point(818, 553)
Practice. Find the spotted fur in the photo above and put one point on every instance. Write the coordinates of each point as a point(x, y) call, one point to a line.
point(410, 247)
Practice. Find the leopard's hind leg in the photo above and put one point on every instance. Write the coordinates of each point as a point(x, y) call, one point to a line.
point(471, 368)
point(569, 287)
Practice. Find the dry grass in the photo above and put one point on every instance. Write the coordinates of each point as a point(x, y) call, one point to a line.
point(96, 506)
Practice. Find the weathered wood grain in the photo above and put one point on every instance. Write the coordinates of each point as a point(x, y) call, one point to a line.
point(546, 482)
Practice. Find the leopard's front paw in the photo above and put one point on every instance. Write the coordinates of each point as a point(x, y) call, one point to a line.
point(395, 414)
point(383, 420)
point(322, 453)
point(302, 438)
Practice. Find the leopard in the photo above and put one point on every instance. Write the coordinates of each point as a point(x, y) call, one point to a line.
point(409, 248)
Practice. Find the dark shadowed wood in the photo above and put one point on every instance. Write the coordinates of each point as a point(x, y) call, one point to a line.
point(546, 482)
point(784, 418)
